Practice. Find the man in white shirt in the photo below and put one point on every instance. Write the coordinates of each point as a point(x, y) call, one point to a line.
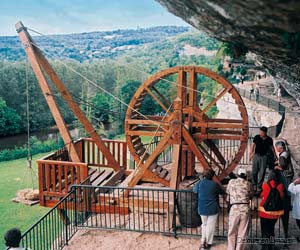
point(294, 189)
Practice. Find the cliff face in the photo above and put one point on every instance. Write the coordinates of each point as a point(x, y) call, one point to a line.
point(268, 28)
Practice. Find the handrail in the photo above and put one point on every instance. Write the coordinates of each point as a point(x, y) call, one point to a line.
point(63, 162)
point(53, 230)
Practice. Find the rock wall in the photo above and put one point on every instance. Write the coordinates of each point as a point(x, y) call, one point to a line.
point(270, 29)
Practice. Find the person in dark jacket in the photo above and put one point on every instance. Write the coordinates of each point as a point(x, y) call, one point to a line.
point(208, 206)
point(268, 219)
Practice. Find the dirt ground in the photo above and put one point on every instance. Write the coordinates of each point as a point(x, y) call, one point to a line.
point(94, 239)
point(116, 240)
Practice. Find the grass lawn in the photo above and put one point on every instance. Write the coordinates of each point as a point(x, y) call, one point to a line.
point(12, 179)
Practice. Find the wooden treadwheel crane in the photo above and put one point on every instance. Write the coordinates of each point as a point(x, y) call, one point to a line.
point(184, 130)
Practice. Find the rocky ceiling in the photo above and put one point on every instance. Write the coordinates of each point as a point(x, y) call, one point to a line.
point(268, 28)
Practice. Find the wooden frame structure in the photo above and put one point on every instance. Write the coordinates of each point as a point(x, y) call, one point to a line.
point(185, 127)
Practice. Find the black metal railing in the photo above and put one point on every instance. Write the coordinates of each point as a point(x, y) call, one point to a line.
point(153, 210)
point(55, 228)
point(147, 210)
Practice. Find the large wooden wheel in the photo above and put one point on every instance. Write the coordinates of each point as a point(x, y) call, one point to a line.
point(183, 129)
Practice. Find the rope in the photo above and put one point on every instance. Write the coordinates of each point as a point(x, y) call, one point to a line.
point(29, 156)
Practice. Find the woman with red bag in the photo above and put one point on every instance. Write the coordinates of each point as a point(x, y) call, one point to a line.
point(270, 209)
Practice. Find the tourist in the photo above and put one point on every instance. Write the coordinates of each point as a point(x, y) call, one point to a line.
point(279, 94)
point(294, 189)
point(251, 90)
point(13, 238)
point(256, 91)
point(270, 209)
point(262, 149)
point(242, 79)
point(238, 79)
point(239, 195)
point(286, 173)
point(208, 206)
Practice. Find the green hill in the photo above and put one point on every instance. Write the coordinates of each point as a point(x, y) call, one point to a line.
point(119, 72)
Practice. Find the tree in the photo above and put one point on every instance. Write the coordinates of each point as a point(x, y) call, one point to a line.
point(101, 108)
point(10, 121)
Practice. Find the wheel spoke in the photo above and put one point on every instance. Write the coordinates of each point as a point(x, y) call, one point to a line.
point(193, 146)
point(216, 99)
point(209, 156)
point(157, 100)
point(216, 151)
point(161, 96)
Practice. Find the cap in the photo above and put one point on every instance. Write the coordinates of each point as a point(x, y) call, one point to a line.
point(242, 171)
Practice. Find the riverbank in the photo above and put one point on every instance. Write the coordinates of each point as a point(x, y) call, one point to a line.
point(19, 140)
point(14, 176)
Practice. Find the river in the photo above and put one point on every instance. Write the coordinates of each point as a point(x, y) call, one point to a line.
point(10, 142)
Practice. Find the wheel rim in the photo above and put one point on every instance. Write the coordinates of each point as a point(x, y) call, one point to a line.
point(200, 137)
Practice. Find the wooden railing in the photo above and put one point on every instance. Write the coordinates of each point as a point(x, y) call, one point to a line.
point(57, 173)
point(94, 157)
point(56, 178)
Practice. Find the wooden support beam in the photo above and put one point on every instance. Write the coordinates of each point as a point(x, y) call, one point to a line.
point(155, 178)
point(216, 151)
point(46, 90)
point(175, 166)
point(78, 112)
point(182, 87)
point(39, 62)
point(193, 88)
point(142, 169)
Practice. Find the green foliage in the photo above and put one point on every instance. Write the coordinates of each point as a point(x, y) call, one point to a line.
point(101, 103)
point(10, 121)
point(36, 147)
point(243, 71)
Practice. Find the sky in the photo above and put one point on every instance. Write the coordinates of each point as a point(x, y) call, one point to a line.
point(76, 16)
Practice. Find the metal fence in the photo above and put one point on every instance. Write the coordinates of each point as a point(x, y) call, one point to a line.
point(55, 229)
point(155, 210)
point(147, 210)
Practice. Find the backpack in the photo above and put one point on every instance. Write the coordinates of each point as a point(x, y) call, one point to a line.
point(273, 201)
